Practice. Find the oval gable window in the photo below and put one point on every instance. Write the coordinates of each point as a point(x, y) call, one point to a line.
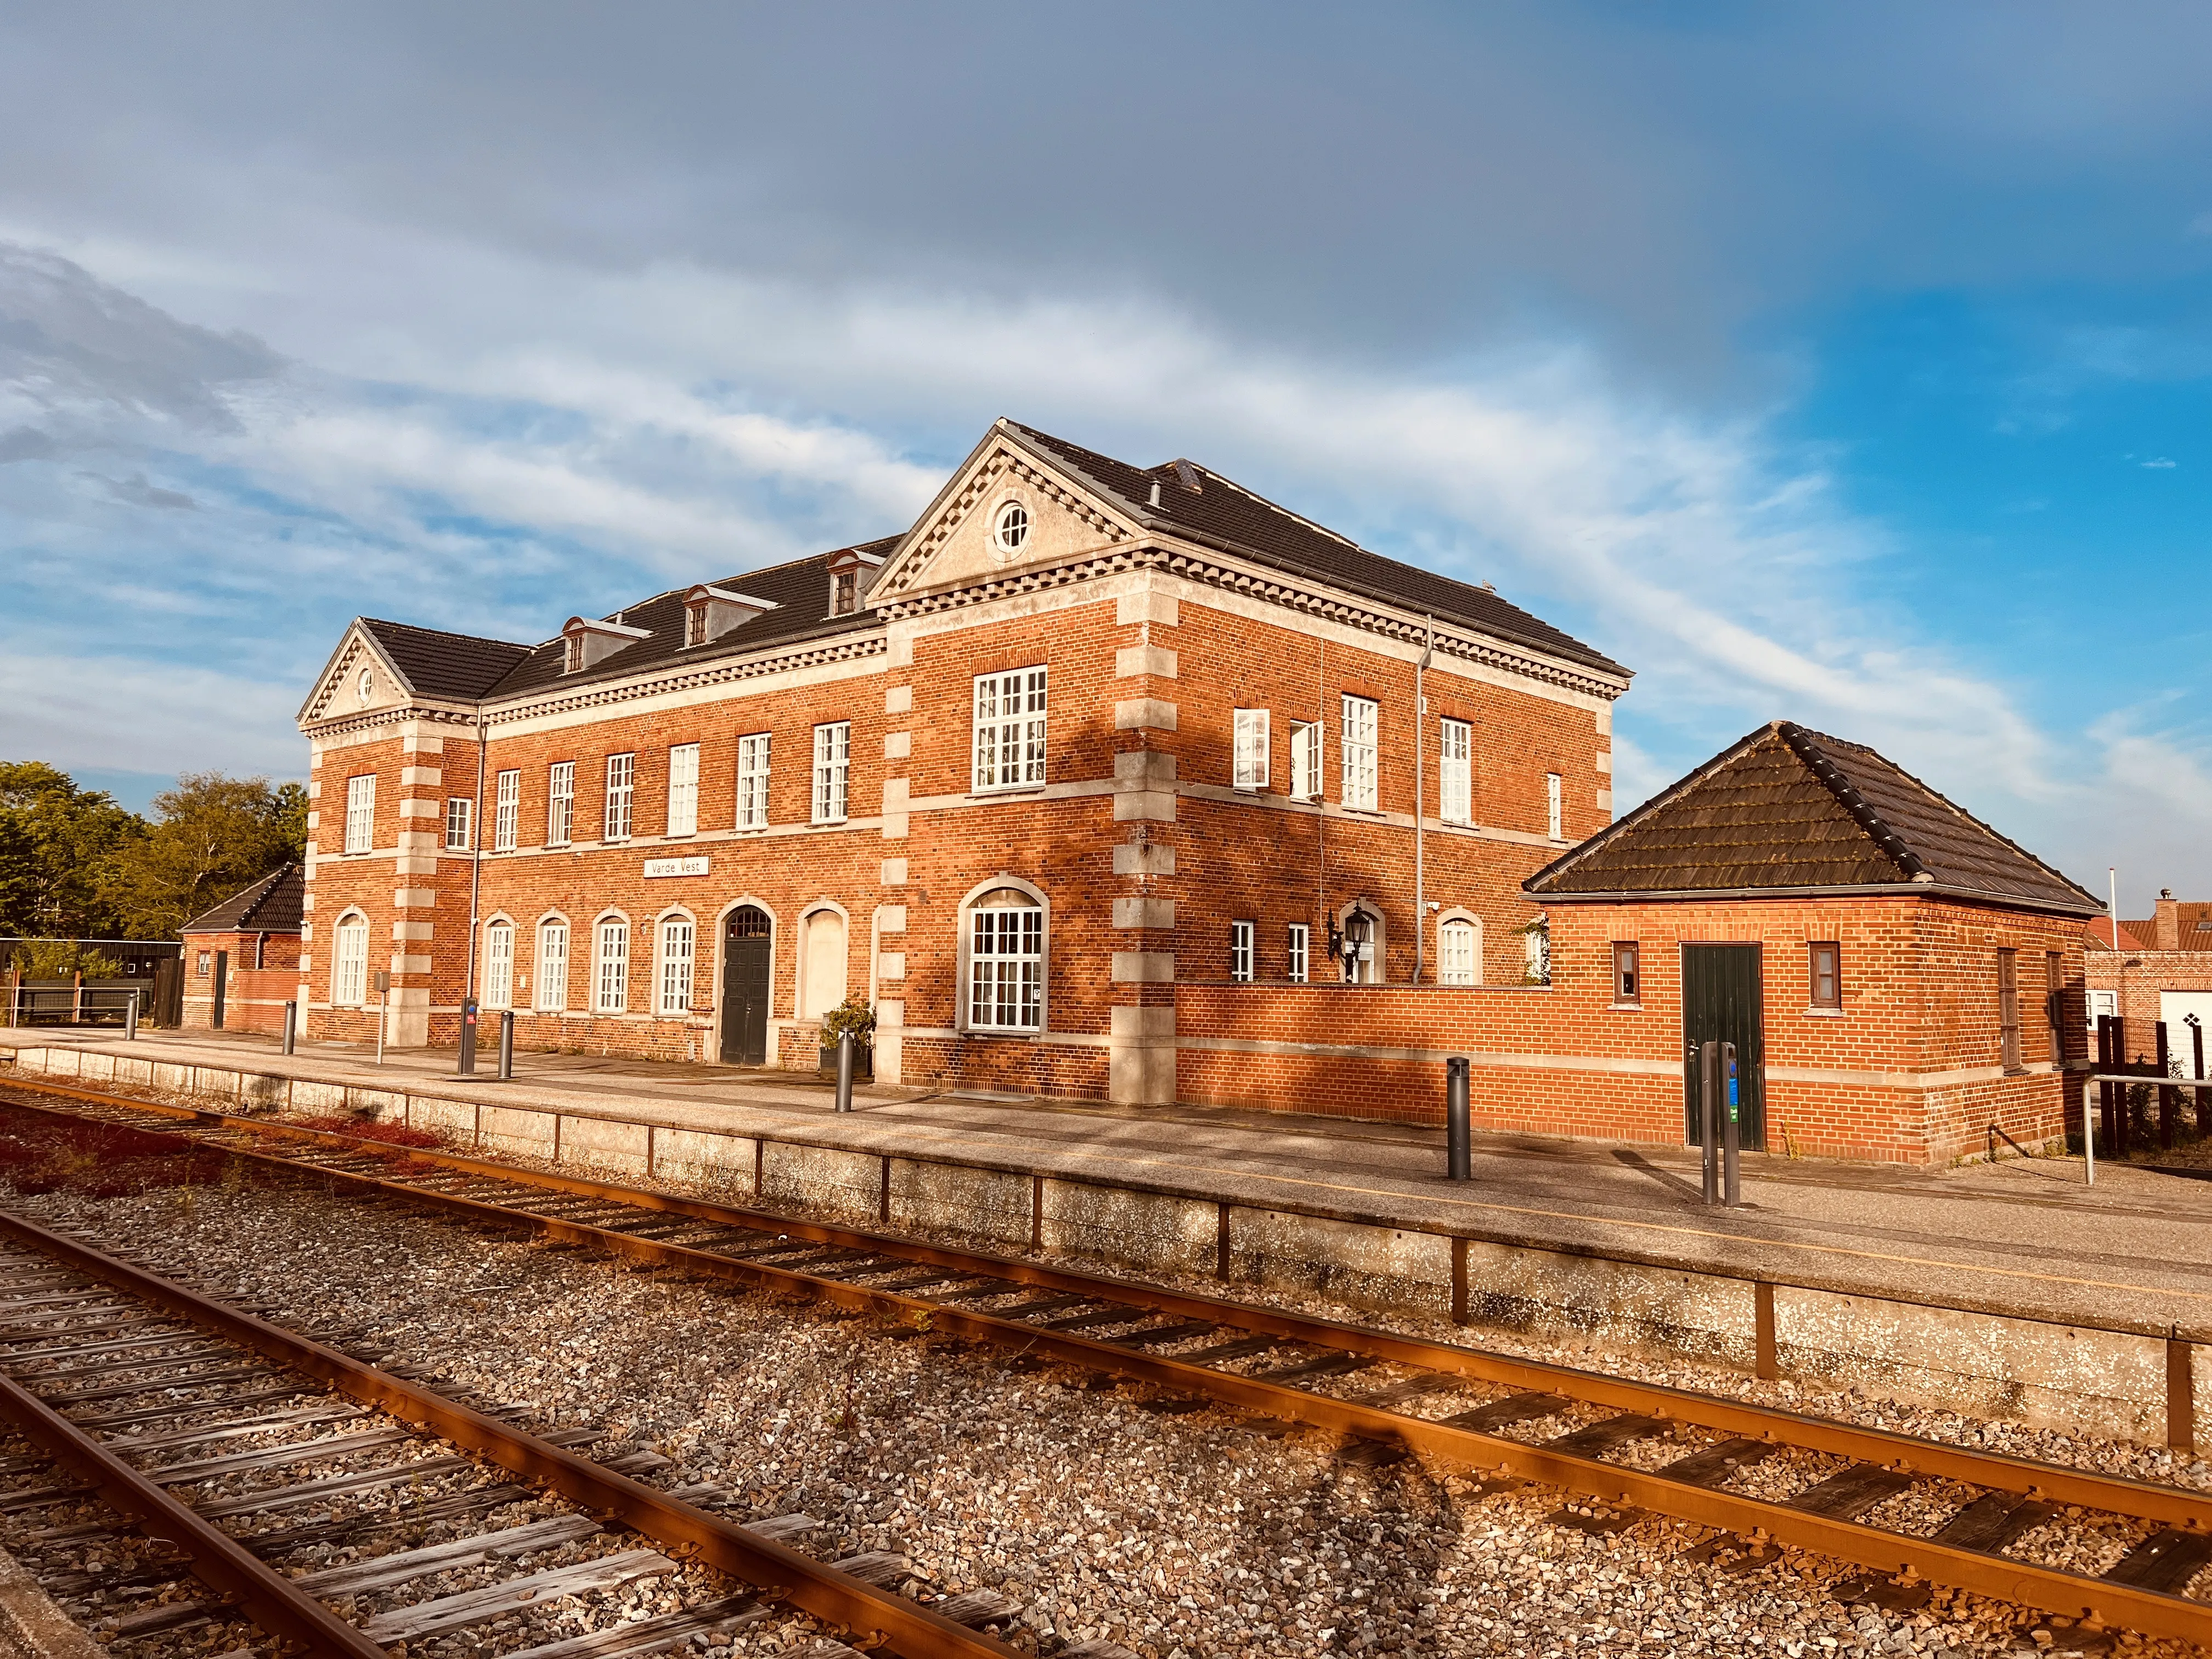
point(1012, 527)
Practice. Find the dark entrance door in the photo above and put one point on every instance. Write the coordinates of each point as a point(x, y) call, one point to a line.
point(222, 984)
point(745, 944)
point(1721, 1003)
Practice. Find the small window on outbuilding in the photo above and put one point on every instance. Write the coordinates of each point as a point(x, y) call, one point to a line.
point(1824, 974)
point(1628, 974)
point(2008, 1010)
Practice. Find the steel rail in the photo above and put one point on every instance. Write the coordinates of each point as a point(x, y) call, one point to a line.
point(880, 1618)
point(2097, 1600)
point(220, 1561)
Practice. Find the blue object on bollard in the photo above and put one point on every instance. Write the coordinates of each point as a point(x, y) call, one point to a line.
point(1459, 1132)
point(1731, 1174)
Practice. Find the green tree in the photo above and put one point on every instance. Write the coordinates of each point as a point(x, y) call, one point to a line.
point(58, 845)
point(214, 836)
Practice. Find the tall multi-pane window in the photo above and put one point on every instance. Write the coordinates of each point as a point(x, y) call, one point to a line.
point(1305, 761)
point(845, 593)
point(683, 789)
point(1456, 772)
point(350, 962)
point(1005, 963)
point(611, 976)
point(460, 808)
point(1554, 822)
point(622, 785)
point(560, 803)
point(499, 965)
point(1455, 952)
point(506, 809)
point(552, 988)
point(2008, 1009)
point(1240, 950)
point(1249, 761)
point(2054, 1003)
point(833, 760)
point(1359, 719)
point(1010, 716)
point(1297, 952)
point(752, 780)
point(1825, 962)
point(675, 976)
point(360, 813)
point(1628, 972)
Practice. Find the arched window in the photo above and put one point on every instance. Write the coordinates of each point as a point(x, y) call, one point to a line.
point(499, 965)
point(1006, 961)
point(610, 958)
point(349, 961)
point(552, 966)
point(674, 976)
point(823, 961)
point(1459, 960)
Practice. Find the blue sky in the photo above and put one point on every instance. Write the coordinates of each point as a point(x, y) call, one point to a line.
point(1846, 365)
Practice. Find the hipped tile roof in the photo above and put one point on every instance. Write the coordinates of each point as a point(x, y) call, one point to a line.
point(1790, 810)
point(270, 905)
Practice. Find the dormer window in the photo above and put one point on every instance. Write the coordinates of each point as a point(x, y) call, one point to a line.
point(587, 642)
point(710, 612)
point(845, 593)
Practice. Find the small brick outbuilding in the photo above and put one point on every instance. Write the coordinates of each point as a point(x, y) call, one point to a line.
point(242, 958)
point(1899, 978)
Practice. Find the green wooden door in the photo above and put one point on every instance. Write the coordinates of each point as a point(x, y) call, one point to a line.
point(1721, 1003)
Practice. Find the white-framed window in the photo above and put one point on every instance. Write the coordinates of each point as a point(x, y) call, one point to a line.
point(695, 623)
point(844, 592)
point(552, 988)
point(499, 965)
point(1250, 759)
point(360, 813)
point(1456, 772)
point(1240, 950)
point(349, 961)
point(610, 966)
point(1010, 526)
point(683, 789)
point(1010, 729)
point(1005, 963)
point(1359, 720)
point(459, 810)
point(833, 766)
point(1305, 760)
point(752, 780)
point(506, 810)
point(560, 803)
point(673, 999)
point(1299, 945)
point(1455, 952)
point(1553, 824)
point(572, 655)
point(622, 785)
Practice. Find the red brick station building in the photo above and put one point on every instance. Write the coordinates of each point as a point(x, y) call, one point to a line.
point(1102, 781)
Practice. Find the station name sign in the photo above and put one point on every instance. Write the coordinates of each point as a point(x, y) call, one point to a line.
point(690, 866)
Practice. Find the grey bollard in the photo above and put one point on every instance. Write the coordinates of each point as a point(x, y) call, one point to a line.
point(506, 1045)
point(1709, 1068)
point(130, 1018)
point(1731, 1175)
point(1459, 1133)
point(468, 1065)
point(844, 1071)
point(291, 1026)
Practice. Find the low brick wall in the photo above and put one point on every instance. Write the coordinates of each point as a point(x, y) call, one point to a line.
point(2105, 1380)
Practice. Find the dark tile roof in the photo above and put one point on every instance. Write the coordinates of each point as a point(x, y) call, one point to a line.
point(270, 905)
point(442, 665)
point(800, 589)
point(1787, 809)
point(1224, 514)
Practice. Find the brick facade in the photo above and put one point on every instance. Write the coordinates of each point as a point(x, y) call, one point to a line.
point(263, 974)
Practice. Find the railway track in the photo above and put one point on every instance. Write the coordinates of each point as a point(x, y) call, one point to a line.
point(1914, 1514)
point(207, 1444)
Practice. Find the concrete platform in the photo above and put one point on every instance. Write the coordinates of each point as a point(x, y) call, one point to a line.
point(1922, 1269)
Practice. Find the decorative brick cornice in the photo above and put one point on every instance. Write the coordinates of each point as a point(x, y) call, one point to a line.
point(1090, 567)
point(848, 648)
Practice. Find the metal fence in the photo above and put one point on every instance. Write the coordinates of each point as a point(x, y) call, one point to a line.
point(68, 1002)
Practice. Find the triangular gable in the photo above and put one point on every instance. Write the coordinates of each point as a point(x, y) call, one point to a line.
point(337, 691)
point(957, 539)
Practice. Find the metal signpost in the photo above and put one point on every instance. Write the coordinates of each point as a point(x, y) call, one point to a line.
point(383, 1009)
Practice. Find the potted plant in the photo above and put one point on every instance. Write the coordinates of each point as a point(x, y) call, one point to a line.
point(854, 1015)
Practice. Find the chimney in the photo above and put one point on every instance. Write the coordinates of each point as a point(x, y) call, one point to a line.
point(2169, 921)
